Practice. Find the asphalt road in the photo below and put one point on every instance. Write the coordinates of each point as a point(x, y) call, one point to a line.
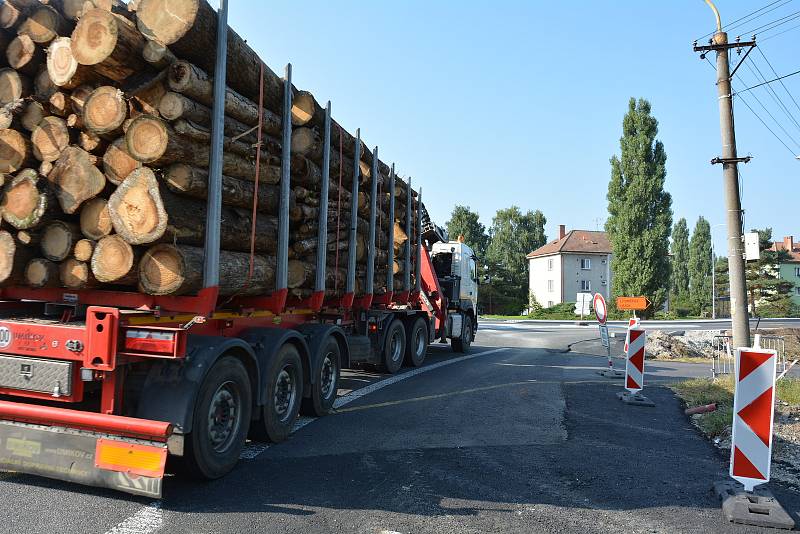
point(518, 436)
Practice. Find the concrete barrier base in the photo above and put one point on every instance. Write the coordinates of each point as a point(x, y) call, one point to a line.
point(759, 508)
point(635, 399)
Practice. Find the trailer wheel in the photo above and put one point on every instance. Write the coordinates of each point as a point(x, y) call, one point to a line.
point(221, 416)
point(323, 391)
point(462, 343)
point(394, 348)
point(283, 396)
point(417, 345)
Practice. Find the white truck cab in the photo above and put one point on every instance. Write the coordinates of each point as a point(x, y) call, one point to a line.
point(456, 268)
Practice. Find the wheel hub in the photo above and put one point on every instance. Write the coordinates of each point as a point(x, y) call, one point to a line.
point(395, 348)
point(328, 376)
point(223, 416)
point(285, 393)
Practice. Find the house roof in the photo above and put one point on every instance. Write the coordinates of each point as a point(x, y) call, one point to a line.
point(581, 241)
point(794, 254)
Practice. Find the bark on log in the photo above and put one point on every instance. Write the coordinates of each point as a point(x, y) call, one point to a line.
point(26, 200)
point(78, 96)
point(178, 270)
point(40, 272)
point(76, 274)
point(104, 111)
point(13, 260)
point(23, 55)
point(270, 146)
point(174, 106)
point(158, 55)
point(44, 24)
point(83, 249)
point(15, 151)
point(136, 209)
point(197, 85)
point(114, 261)
point(192, 181)
point(118, 163)
point(13, 86)
point(95, 220)
point(49, 138)
point(33, 115)
point(110, 43)
point(189, 28)
point(58, 240)
point(43, 86)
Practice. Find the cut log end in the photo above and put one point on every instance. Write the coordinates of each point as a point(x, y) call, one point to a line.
point(49, 138)
point(75, 274)
point(303, 107)
point(43, 25)
point(113, 260)
point(95, 37)
point(105, 110)
point(136, 209)
point(33, 115)
point(41, 272)
point(76, 178)
point(61, 64)
point(166, 21)
point(13, 86)
point(22, 52)
point(8, 248)
point(147, 138)
point(58, 240)
point(118, 163)
point(95, 219)
point(14, 151)
point(83, 249)
point(171, 106)
point(161, 270)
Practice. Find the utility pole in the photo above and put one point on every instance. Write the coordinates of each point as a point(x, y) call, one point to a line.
point(713, 281)
point(729, 160)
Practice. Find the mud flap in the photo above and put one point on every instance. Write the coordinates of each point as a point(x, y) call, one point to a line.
point(129, 465)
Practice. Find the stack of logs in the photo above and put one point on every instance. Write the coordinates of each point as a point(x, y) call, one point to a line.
point(104, 152)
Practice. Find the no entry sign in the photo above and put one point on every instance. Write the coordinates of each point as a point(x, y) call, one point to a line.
point(634, 364)
point(600, 309)
point(753, 410)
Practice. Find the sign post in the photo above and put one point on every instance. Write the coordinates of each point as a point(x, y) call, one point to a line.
point(601, 312)
point(634, 369)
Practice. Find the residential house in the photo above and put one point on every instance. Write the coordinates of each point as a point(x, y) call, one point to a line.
point(790, 268)
point(579, 261)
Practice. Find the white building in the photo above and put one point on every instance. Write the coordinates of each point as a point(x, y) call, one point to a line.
point(579, 261)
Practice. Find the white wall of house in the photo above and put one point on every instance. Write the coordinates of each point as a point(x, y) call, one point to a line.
point(586, 273)
point(545, 279)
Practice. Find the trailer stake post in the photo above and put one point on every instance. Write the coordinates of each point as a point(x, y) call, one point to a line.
point(214, 201)
point(282, 265)
point(390, 246)
point(418, 261)
point(322, 234)
point(407, 247)
point(351, 252)
point(370, 286)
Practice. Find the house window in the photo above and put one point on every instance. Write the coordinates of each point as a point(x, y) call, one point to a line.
point(550, 286)
point(586, 285)
point(549, 303)
point(797, 291)
point(797, 271)
point(550, 264)
point(586, 264)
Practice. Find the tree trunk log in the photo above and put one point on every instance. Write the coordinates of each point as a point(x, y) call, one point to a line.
point(178, 270)
point(197, 85)
point(49, 138)
point(158, 55)
point(15, 151)
point(60, 104)
point(13, 86)
point(104, 111)
point(192, 181)
point(43, 86)
point(110, 43)
point(78, 97)
point(64, 70)
point(29, 238)
point(58, 240)
point(115, 261)
point(95, 219)
point(26, 200)
point(76, 274)
point(44, 24)
point(76, 179)
point(136, 208)
point(11, 16)
point(40, 272)
point(118, 163)
point(13, 260)
point(23, 55)
point(83, 249)
point(33, 115)
point(270, 146)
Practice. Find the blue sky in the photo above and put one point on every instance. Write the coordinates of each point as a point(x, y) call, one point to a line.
point(510, 102)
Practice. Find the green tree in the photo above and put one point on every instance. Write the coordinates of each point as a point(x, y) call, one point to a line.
point(700, 267)
point(513, 235)
point(768, 293)
point(464, 221)
point(640, 210)
point(680, 262)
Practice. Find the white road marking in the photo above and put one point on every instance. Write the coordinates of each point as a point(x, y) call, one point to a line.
point(150, 518)
point(145, 521)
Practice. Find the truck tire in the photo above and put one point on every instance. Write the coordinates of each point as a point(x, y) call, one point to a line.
point(394, 348)
point(324, 388)
point(417, 343)
point(282, 398)
point(221, 417)
point(461, 344)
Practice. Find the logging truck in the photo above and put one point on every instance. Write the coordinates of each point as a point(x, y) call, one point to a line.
point(188, 261)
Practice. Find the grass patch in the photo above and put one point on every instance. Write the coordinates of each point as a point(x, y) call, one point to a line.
point(788, 390)
point(699, 391)
point(681, 359)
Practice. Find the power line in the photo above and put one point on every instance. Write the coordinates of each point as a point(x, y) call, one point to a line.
point(729, 25)
point(775, 23)
point(779, 79)
point(773, 94)
point(768, 81)
point(779, 33)
point(767, 126)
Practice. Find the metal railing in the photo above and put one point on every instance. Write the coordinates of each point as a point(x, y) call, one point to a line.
point(723, 360)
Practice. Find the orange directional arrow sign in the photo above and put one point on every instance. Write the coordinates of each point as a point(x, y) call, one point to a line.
point(633, 303)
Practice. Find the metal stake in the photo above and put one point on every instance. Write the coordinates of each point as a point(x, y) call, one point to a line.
point(372, 212)
point(418, 262)
point(322, 235)
point(409, 235)
point(390, 272)
point(282, 266)
point(351, 252)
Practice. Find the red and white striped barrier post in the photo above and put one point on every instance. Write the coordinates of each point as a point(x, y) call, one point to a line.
point(634, 368)
point(753, 416)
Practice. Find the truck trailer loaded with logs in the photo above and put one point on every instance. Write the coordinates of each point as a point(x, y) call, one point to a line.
point(191, 248)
